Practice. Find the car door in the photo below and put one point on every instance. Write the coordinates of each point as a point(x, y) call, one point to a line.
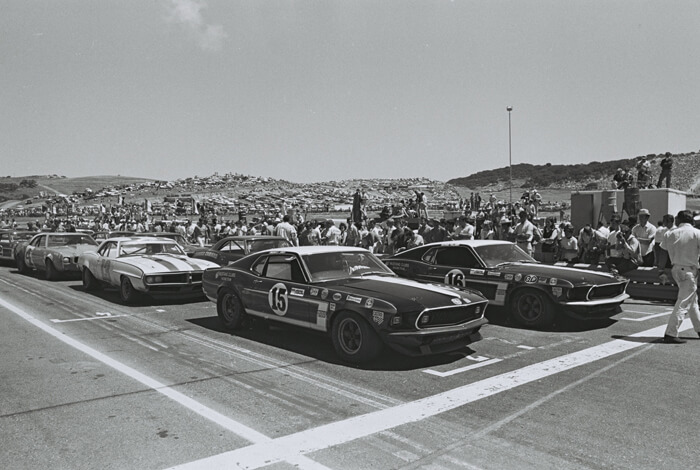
point(30, 253)
point(459, 266)
point(280, 291)
point(102, 269)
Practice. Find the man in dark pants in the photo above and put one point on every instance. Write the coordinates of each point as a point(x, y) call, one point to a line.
point(666, 166)
point(683, 246)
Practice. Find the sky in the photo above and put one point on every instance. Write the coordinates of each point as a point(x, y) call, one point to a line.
point(315, 91)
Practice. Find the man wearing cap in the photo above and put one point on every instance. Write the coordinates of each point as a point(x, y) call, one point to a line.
point(683, 246)
point(644, 232)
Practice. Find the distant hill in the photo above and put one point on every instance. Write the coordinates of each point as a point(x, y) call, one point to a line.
point(28, 187)
point(594, 175)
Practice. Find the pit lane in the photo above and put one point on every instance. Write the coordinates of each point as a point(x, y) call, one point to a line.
point(281, 398)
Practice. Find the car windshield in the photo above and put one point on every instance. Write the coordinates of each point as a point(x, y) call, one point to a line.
point(150, 248)
point(341, 264)
point(70, 239)
point(493, 255)
point(259, 245)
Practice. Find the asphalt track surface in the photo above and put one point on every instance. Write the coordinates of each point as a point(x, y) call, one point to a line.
point(90, 383)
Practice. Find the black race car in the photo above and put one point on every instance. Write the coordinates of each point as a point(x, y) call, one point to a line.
point(230, 249)
point(350, 294)
point(507, 276)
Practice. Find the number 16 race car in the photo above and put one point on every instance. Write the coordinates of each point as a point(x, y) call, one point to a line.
point(350, 294)
point(507, 276)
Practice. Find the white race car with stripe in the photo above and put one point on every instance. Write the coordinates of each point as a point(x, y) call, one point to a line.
point(154, 266)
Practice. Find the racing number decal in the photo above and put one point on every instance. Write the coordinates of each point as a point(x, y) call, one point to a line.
point(455, 278)
point(278, 299)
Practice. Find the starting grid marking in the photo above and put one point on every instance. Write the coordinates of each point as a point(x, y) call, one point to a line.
point(341, 432)
point(646, 316)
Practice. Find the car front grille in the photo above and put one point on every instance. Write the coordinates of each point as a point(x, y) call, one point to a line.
point(176, 278)
point(447, 316)
point(605, 291)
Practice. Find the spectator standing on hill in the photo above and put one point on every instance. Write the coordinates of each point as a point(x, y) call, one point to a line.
point(644, 232)
point(666, 167)
point(683, 245)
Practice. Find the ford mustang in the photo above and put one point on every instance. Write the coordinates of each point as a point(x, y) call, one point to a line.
point(54, 253)
point(153, 266)
point(350, 294)
point(509, 277)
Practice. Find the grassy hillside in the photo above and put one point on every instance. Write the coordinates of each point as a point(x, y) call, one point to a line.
point(594, 175)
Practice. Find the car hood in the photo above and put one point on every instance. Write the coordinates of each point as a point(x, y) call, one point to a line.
point(404, 293)
point(167, 263)
point(573, 275)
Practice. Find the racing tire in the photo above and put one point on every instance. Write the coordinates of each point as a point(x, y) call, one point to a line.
point(21, 265)
point(127, 293)
point(230, 309)
point(532, 308)
point(354, 339)
point(50, 273)
point(90, 282)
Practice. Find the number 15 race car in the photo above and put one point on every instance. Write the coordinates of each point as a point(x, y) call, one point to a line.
point(350, 294)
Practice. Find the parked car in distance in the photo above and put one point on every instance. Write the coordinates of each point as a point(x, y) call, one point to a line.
point(9, 239)
point(53, 253)
point(230, 249)
point(349, 294)
point(143, 265)
point(534, 292)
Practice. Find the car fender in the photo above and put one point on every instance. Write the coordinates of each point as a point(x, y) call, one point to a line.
point(519, 287)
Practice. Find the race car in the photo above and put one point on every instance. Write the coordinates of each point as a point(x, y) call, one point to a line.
point(53, 253)
point(230, 249)
point(535, 293)
point(143, 265)
point(9, 239)
point(351, 295)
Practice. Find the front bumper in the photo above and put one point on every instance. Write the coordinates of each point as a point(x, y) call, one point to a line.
point(435, 340)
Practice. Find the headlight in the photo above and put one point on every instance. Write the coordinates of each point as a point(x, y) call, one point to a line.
point(66, 260)
point(154, 279)
point(396, 320)
point(424, 319)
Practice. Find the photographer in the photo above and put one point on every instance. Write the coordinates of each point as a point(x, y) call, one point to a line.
point(627, 248)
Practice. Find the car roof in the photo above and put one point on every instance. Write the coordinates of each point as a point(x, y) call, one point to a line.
point(474, 243)
point(307, 250)
point(142, 240)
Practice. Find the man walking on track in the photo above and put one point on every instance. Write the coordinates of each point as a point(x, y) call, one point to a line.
point(683, 245)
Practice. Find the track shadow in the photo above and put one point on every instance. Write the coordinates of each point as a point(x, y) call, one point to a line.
point(317, 345)
point(112, 295)
point(562, 324)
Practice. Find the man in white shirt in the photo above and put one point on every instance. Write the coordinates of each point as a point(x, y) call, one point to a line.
point(644, 232)
point(524, 233)
point(683, 245)
point(287, 230)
